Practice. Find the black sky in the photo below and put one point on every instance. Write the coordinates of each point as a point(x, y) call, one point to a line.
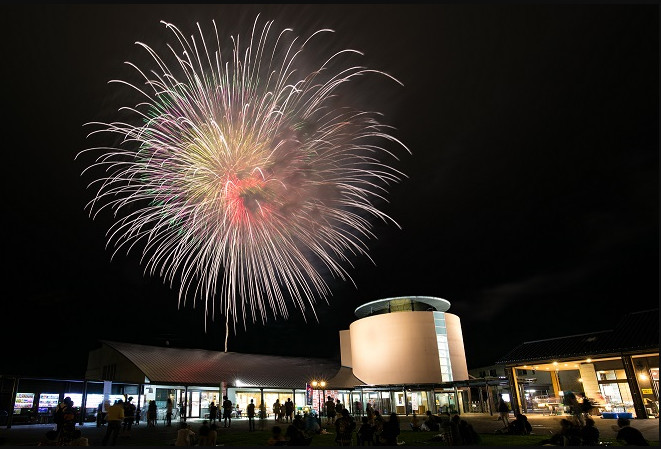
point(531, 202)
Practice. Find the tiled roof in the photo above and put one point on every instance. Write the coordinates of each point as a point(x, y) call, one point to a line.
point(203, 367)
point(635, 332)
point(345, 379)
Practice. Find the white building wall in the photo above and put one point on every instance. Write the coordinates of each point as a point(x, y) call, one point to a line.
point(345, 348)
point(395, 348)
point(456, 347)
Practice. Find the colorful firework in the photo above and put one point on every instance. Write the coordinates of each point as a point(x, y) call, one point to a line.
point(242, 177)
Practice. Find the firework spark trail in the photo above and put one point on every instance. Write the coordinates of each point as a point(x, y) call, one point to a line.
point(244, 171)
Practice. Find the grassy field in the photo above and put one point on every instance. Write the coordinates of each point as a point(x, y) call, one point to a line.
point(409, 438)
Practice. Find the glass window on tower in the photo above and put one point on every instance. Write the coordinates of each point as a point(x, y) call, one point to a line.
point(443, 349)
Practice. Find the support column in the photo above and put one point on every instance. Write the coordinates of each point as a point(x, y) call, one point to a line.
point(406, 401)
point(522, 395)
point(186, 411)
point(470, 399)
point(432, 402)
point(83, 405)
point(262, 406)
point(363, 406)
point(14, 391)
point(481, 396)
point(456, 400)
point(632, 379)
point(555, 383)
point(490, 398)
point(514, 390)
point(141, 388)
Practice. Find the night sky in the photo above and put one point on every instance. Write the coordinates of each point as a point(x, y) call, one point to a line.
point(531, 202)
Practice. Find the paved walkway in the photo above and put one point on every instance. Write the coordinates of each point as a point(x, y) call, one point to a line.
point(141, 435)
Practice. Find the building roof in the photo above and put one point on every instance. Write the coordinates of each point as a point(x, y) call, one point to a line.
point(203, 367)
point(438, 304)
point(636, 332)
point(345, 380)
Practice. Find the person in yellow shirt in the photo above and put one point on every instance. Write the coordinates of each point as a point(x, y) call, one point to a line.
point(115, 417)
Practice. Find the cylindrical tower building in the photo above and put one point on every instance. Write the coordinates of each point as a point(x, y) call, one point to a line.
point(405, 340)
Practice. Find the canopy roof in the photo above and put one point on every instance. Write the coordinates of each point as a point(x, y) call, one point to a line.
point(203, 367)
point(402, 303)
point(636, 332)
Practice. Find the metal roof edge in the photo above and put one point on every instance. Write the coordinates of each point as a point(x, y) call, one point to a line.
point(565, 336)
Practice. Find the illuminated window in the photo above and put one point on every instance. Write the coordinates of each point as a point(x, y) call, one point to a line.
point(443, 349)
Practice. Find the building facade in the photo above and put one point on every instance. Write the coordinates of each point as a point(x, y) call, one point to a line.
point(617, 369)
point(410, 346)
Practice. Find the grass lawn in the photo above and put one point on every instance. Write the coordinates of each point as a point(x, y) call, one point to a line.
point(409, 438)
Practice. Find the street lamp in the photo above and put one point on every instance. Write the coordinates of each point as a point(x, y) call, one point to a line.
point(318, 385)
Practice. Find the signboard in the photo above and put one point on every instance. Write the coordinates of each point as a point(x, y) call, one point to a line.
point(646, 391)
point(24, 400)
point(49, 399)
point(308, 394)
point(414, 401)
point(77, 398)
point(93, 400)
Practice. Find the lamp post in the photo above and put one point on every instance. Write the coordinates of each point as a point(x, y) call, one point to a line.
point(318, 385)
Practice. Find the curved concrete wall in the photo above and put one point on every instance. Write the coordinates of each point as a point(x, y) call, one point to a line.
point(456, 347)
point(396, 348)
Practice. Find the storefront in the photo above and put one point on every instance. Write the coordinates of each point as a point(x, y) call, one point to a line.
point(615, 370)
point(445, 402)
point(241, 397)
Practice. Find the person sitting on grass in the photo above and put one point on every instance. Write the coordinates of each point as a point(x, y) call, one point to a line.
point(276, 439)
point(520, 426)
point(629, 435)
point(431, 423)
point(295, 436)
point(312, 426)
point(365, 434)
point(468, 435)
point(203, 431)
point(185, 435)
point(344, 427)
point(50, 439)
point(390, 431)
point(589, 433)
point(415, 424)
point(212, 437)
point(568, 435)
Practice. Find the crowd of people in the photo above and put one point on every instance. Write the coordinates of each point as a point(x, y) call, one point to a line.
point(372, 429)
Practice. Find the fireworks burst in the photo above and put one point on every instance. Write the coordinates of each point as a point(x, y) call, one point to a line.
point(241, 175)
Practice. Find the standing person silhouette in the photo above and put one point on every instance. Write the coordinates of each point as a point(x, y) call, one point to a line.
point(289, 411)
point(276, 410)
point(213, 412)
point(330, 411)
point(129, 414)
point(251, 416)
point(227, 412)
point(115, 417)
point(151, 414)
point(168, 412)
point(503, 410)
point(137, 414)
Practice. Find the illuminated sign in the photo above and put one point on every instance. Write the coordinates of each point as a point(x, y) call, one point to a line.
point(308, 394)
point(93, 400)
point(77, 398)
point(24, 400)
point(49, 399)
